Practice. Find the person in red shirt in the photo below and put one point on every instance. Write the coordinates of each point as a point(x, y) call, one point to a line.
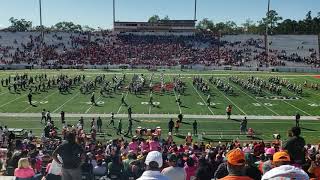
point(228, 111)
point(236, 164)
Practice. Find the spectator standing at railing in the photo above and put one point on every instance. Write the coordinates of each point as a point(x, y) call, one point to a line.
point(71, 154)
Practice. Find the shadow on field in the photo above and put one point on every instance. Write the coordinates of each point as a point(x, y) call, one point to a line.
point(179, 136)
point(183, 106)
point(237, 120)
point(186, 123)
point(308, 129)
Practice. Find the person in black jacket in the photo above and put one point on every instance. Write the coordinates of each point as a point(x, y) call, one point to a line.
point(170, 125)
point(295, 146)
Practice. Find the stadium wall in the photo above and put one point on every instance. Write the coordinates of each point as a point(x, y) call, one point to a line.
point(190, 67)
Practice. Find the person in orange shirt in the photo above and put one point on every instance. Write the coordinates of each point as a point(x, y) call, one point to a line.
point(236, 165)
point(314, 168)
point(177, 126)
point(228, 111)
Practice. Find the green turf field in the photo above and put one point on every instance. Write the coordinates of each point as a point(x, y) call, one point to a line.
point(214, 130)
point(244, 103)
point(193, 101)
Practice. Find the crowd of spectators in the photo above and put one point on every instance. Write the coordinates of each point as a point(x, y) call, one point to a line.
point(75, 154)
point(116, 49)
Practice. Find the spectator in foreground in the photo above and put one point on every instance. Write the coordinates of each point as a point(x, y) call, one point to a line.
point(174, 172)
point(54, 170)
point(204, 172)
point(24, 170)
point(283, 170)
point(70, 152)
point(236, 166)
point(154, 163)
point(267, 165)
point(314, 168)
point(190, 169)
point(295, 147)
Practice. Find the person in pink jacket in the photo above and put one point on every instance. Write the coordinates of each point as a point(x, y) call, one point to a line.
point(24, 170)
point(154, 144)
point(190, 169)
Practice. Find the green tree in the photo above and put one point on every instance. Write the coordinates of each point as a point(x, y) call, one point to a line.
point(205, 24)
point(67, 26)
point(154, 18)
point(272, 20)
point(20, 24)
point(166, 18)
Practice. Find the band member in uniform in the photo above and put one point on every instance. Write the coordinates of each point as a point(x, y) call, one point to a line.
point(43, 116)
point(112, 120)
point(93, 101)
point(178, 100)
point(62, 115)
point(119, 129)
point(99, 124)
point(130, 112)
point(129, 128)
point(123, 100)
point(151, 99)
point(195, 127)
point(209, 100)
point(30, 98)
point(298, 119)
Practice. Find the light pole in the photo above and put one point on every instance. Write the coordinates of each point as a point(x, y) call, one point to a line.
point(41, 29)
point(195, 10)
point(266, 34)
point(114, 11)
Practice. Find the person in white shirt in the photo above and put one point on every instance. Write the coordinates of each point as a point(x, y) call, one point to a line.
point(174, 172)
point(30, 135)
point(54, 170)
point(283, 170)
point(154, 162)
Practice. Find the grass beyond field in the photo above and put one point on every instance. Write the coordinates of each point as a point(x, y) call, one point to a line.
point(214, 129)
point(193, 101)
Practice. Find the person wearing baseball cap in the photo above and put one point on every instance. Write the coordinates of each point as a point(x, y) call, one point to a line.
point(173, 171)
point(154, 162)
point(236, 166)
point(283, 170)
point(268, 165)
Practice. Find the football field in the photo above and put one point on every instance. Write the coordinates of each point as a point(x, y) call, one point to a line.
point(268, 112)
point(193, 100)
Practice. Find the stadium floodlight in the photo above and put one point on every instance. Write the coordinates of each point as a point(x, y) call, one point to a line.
point(266, 35)
point(41, 27)
point(195, 10)
point(114, 11)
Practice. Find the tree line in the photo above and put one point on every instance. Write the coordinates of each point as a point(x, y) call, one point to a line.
point(274, 22)
point(276, 25)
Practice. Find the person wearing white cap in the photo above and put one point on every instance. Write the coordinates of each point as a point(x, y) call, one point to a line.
point(154, 162)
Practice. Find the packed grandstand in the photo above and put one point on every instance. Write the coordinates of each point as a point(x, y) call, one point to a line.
point(114, 48)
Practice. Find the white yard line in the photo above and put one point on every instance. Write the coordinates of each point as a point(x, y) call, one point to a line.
point(229, 99)
point(175, 95)
point(255, 99)
point(92, 105)
point(4, 93)
point(122, 104)
point(66, 102)
point(187, 116)
point(202, 99)
point(21, 96)
point(41, 100)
